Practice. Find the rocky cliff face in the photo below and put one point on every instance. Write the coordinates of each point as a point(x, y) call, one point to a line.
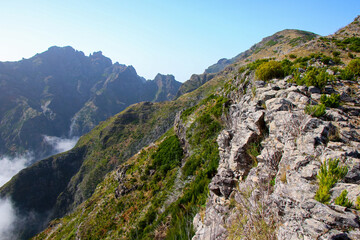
point(270, 194)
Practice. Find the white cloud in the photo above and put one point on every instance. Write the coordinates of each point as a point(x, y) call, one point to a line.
point(61, 144)
point(7, 219)
point(9, 166)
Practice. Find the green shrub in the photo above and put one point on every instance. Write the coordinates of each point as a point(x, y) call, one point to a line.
point(322, 194)
point(221, 104)
point(297, 79)
point(333, 101)
point(302, 59)
point(269, 70)
point(351, 70)
point(328, 175)
point(271, 43)
point(336, 53)
point(337, 60)
point(342, 200)
point(315, 110)
point(316, 77)
point(354, 67)
point(358, 203)
point(168, 155)
point(191, 165)
point(241, 70)
point(326, 59)
point(292, 56)
point(287, 67)
point(346, 74)
point(187, 112)
point(353, 43)
point(254, 65)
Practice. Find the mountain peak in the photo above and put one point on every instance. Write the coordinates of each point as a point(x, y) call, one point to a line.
point(57, 48)
point(98, 53)
point(160, 76)
point(99, 58)
point(275, 45)
point(67, 50)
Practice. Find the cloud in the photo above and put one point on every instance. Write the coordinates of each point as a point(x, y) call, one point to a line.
point(61, 144)
point(7, 220)
point(9, 166)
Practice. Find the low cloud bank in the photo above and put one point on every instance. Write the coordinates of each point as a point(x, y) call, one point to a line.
point(61, 144)
point(9, 166)
point(7, 220)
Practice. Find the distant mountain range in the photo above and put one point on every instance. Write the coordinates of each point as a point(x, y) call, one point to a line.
point(61, 92)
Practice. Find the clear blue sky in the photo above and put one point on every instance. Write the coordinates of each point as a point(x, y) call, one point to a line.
point(171, 37)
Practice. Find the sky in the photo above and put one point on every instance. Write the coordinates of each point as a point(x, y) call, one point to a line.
point(158, 36)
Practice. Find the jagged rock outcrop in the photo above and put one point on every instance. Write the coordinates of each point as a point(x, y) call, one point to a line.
point(280, 183)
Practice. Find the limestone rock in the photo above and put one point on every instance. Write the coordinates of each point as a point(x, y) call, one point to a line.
point(283, 177)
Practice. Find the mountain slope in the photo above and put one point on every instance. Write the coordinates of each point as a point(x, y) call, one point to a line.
point(151, 193)
point(276, 46)
point(103, 148)
point(251, 150)
point(97, 153)
point(273, 46)
point(267, 153)
point(64, 93)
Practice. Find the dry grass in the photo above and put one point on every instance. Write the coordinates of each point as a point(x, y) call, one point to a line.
point(255, 218)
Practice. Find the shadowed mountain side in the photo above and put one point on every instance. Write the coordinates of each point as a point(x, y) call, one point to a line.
point(64, 93)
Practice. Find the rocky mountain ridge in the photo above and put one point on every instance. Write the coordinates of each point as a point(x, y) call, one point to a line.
point(64, 93)
point(280, 186)
point(276, 45)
